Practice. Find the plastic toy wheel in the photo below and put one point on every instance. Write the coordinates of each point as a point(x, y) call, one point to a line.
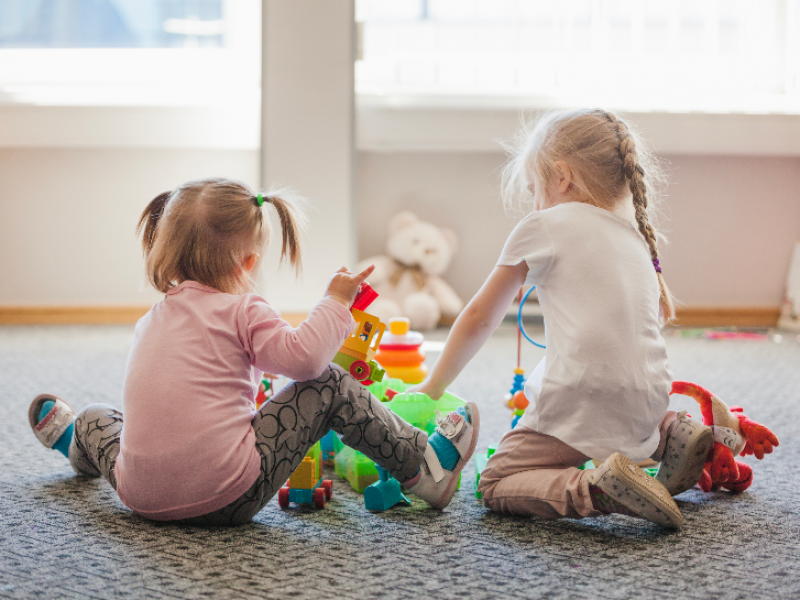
point(360, 370)
point(327, 485)
point(283, 497)
point(319, 497)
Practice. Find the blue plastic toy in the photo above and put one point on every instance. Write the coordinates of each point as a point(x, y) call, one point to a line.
point(384, 493)
point(519, 318)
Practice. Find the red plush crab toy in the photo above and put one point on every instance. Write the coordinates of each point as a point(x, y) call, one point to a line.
point(734, 435)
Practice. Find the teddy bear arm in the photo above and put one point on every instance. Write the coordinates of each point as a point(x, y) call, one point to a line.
point(384, 267)
point(422, 310)
point(448, 300)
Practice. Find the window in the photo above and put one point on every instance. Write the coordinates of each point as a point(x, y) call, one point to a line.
point(638, 55)
point(111, 23)
point(130, 52)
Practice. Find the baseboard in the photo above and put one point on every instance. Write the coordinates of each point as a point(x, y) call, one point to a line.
point(728, 316)
point(70, 315)
point(689, 316)
point(88, 315)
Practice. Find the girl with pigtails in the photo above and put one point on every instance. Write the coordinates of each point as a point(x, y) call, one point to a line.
point(189, 445)
point(602, 390)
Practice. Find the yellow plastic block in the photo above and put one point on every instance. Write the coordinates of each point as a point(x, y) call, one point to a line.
point(305, 476)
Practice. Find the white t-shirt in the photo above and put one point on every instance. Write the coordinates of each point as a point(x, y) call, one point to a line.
point(604, 384)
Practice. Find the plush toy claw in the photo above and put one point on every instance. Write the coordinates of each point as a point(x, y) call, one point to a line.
point(734, 435)
point(760, 440)
point(722, 464)
point(740, 484)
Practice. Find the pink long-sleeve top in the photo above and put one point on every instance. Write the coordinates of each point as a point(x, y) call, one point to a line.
point(187, 445)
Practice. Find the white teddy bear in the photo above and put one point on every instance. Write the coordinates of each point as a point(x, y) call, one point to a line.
point(408, 279)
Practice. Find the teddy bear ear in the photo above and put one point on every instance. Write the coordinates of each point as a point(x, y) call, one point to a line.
point(451, 238)
point(402, 220)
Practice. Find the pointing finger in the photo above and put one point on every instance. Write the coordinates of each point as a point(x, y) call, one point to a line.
point(365, 273)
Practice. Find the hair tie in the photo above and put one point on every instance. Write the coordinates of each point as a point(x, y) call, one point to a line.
point(259, 201)
point(656, 265)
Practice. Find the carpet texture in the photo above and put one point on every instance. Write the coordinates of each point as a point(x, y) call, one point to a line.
point(67, 537)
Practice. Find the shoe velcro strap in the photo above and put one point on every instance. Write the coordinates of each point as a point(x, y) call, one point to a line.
point(54, 423)
point(462, 437)
point(434, 466)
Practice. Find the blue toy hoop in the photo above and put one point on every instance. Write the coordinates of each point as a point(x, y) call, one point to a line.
point(519, 319)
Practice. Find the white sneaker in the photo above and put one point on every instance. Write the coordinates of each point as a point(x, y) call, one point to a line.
point(437, 485)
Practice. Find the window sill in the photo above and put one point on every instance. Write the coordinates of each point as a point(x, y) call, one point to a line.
point(396, 125)
point(233, 127)
point(420, 125)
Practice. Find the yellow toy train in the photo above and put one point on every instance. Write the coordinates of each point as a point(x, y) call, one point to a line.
point(358, 351)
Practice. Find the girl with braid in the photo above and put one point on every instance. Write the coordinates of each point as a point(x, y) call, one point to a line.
point(191, 446)
point(602, 390)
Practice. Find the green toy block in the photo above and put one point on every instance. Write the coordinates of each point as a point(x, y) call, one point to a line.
point(359, 471)
point(480, 464)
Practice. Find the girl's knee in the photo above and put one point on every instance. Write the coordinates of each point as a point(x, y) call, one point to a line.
point(486, 487)
point(345, 380)
point(102, 413)
point(490, 500)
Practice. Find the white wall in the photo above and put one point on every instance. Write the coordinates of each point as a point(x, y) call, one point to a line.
point(70, 198)
point(731, 220)
point(307, 140)
point(68, 218)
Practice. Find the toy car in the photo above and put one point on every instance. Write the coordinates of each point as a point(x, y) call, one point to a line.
point(306, 486)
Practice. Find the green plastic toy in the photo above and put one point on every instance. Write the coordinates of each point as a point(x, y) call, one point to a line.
point(480, 464)
point(417, 409)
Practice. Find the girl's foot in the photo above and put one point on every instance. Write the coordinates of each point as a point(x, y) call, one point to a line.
point(448, 451)
point(685, 454)
point(52, 422)
point(619, 486)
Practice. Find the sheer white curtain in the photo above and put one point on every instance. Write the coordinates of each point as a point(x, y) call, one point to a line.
point(668, 55)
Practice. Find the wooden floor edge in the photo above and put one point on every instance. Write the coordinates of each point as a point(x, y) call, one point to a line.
point(688, 316)
point(71, 315)
point(727, 316)
point(88, 315)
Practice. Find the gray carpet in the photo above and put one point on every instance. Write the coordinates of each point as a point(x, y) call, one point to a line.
point(67, 537)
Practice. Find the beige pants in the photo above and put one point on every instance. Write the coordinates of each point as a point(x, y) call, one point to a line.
point(536, 474)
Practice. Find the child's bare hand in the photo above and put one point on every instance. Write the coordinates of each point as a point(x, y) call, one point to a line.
point(426, 388)
point(345, 285)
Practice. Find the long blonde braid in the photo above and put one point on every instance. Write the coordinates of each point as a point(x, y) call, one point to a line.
point(635, 176)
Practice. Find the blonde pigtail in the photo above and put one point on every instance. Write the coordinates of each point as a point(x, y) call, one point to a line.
point(636, 177)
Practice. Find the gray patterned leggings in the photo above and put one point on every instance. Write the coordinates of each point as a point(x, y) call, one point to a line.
point(294, 419)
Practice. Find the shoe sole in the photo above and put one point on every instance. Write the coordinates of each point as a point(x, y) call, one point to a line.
point(450, 490)
point(649, 491)
point(690, 466)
